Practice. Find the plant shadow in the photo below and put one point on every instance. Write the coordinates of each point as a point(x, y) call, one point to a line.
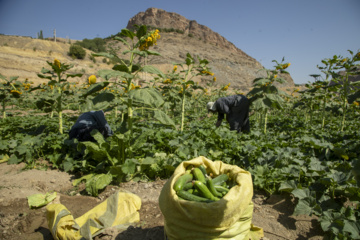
point(138, 233)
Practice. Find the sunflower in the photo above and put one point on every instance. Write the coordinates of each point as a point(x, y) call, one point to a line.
point(92, 79)
point(57, 63)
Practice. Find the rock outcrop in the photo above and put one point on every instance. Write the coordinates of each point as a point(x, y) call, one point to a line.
point(167, 20)
point(229, 63)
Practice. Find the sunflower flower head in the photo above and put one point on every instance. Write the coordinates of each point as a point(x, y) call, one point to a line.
point(149, 40)
point(226, 87)
point(167, 81)
point(286, 65)
point(57, 63)
point(92, 79)
point(207, 73)
point(16, 93)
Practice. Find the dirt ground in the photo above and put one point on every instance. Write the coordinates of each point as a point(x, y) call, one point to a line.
point(18, 221)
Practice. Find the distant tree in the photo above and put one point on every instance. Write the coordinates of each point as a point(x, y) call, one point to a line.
point(76, 51)
point(95, 45)
point(40, 35)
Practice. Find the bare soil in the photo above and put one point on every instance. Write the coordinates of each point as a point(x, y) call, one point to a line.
point(18, 221)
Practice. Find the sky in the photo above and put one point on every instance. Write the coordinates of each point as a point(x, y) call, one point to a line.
point(303, 32)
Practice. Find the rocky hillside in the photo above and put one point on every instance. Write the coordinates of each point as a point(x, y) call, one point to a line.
point(167, 20)
point(229, 63)
point(25, 57)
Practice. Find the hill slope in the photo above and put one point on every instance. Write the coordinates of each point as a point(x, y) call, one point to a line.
point(25, 57)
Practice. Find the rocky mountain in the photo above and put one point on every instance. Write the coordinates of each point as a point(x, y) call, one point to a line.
point(167, 20)
point(25, 57)
point(229, 63)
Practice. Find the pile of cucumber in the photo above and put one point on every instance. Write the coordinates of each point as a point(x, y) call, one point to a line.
point(197, 185)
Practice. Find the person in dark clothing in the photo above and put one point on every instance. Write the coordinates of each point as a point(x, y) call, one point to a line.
point(236, 109)
point(86, 123)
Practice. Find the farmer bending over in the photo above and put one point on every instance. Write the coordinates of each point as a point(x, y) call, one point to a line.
point(236, 108)
point(86, 123)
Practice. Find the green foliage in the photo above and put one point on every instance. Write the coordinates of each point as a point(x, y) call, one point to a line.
point(265, 95)
point(76, 51)
point(95, 45)
point(9, 88)
point(314, 161)
point(40, 35)
point(55, 89)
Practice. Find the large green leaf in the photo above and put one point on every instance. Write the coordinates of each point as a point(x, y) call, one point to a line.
point(39, 200)
point(107, 74)
point(73, 75)
point(163, 118)
point(122, 40)
point(83, 178)
point(128, 167)
point(275, 98)
point(142, 30)
point(102, 101)
point(127, 33)
point(43, 76)
point(261, 104)
point(307, 206)
point(153, 70)
point(94, 150)
point(95, 88)
point(353, 228)
point(147, 96)
point(98, 182)
point(261, 81)
point(288, 186)
point(121, 68)
point(149, 52)
point(301, 193)
point(356, 171)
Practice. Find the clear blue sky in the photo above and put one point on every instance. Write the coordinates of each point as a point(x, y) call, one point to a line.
point(302, 31)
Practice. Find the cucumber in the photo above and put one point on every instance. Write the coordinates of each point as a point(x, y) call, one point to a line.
point(220, 179)
point(203, 169)
point(188, 186)
point(181, 181)
point(221, 189)
point(191, 197)
point(198, 175)
point(204, 191)
point(210, 185)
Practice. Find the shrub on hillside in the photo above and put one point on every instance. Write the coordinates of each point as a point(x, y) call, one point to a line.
point(95, 45)
point(76, 51)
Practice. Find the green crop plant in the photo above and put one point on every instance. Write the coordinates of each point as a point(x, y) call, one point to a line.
point(9, 89)
point(265, 95)
point(131, 95)
point(318, 166)
point(345, 87)
point(182, 81)
point(58, 84)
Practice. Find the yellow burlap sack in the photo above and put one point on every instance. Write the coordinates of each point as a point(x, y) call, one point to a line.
point(119, 208)
point(228, 218)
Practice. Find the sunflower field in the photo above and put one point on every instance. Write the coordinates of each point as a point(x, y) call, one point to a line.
point(305, 143)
